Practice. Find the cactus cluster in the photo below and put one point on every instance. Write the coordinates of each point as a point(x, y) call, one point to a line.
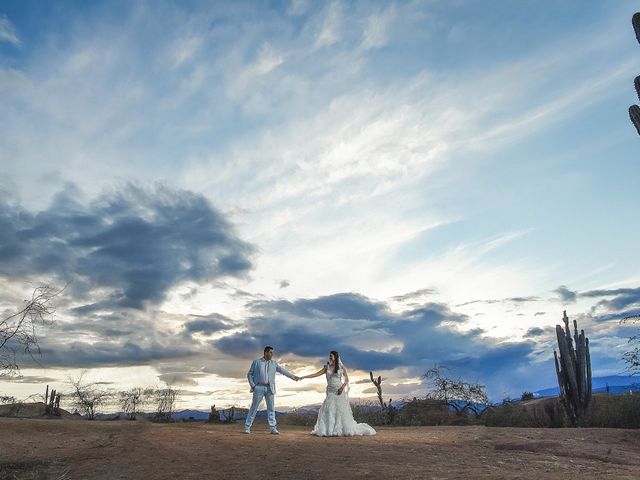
point(574, 370)
point(634, 110)
point(51, 402)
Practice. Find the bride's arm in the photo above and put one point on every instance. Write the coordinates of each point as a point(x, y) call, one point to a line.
point(322, 371)
point(346, 380)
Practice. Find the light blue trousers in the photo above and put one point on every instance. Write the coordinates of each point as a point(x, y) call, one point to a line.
point(259, 393)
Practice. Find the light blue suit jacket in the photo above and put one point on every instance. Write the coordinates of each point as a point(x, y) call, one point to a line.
point(253, 375)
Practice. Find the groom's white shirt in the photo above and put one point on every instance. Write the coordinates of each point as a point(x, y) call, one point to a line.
point(261, 368)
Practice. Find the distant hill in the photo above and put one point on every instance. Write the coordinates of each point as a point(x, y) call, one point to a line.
point(610, 384)
point(190, 415)
point(239, 414)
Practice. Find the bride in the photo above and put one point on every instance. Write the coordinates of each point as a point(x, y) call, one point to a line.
point(335, 417)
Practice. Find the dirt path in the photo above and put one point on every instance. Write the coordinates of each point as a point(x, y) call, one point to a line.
point(75, 449)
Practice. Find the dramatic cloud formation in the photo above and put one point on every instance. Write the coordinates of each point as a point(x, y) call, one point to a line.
point(369, 336)
point(137, 243)
point(410, 183)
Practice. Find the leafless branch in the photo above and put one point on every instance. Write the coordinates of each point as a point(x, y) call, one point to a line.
point(18, 330)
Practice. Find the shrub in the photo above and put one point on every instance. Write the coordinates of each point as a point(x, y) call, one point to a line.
point(610, 411)
point(300, 419)
point(614, 411)
point(423, 412)
point(510, 415)
point(369, 412)
point(526, 396)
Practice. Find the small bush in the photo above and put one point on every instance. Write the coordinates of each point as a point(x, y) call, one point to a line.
point(610, 411)
point(369, 412)
point(510, 415)
point(614, 411)
point(300, 419)
point(526, 396)
point(423, 412)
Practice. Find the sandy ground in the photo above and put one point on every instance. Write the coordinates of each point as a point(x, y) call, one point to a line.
point(78, 449)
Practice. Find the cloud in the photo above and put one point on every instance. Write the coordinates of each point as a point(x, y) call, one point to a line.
point(33, 379)
point(369, 336)
point(622, 298)
point(180, 379)
point(397, 389)
point(339, 305)
point(376, 31)
point(298, 7)
point(415, 295)
point(208, 324)
point(136, 243)
point(8, 31)
point(614, 304)
point(111, 353)
point(566, 295)
point(330, 30)
point(534, 332)
point(223, 101)
point(514, 300)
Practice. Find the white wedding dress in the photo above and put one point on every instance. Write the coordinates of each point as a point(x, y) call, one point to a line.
point(335, 417)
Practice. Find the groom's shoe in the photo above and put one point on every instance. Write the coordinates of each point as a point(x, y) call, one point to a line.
point(274, 432)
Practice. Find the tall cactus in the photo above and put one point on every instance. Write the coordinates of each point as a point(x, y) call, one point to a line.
point(634, 110)
point(574, 370)
point(634, 115)
point(378, 383)
point(386, 407)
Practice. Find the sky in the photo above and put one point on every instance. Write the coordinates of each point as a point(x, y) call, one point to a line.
point(410, 183)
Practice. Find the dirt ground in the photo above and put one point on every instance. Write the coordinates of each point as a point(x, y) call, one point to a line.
point(79, 449)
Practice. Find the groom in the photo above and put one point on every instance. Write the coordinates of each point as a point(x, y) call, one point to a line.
point(262, 378)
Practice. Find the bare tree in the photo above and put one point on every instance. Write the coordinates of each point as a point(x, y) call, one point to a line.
point(165, 401)
point(458, 394)
point(18, 330)
point(87, 397)
point(632, 357)
point(131, 400)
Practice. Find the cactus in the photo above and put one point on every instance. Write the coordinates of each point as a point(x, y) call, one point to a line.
point(573, 369)
point(51, 402)
point(634, 115)
point(214, 416)
point(634, 110)
point(378, 383)
point(386, 407)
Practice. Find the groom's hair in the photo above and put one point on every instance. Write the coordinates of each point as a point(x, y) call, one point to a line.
point(267, 348)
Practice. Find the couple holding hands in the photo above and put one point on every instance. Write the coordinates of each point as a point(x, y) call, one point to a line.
point(335, 417)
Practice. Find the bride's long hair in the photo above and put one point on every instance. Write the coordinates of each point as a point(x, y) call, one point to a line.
point(336, 360)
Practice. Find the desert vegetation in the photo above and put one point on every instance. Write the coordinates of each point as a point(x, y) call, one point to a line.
point(18, 330)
